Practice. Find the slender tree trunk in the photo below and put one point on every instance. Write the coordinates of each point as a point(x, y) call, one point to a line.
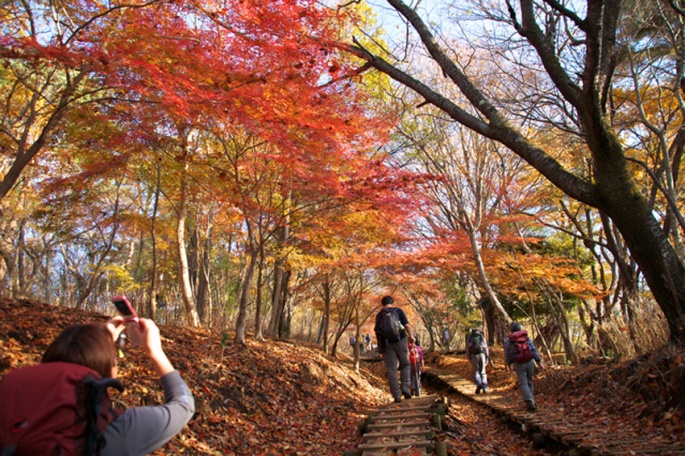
point(21, 273)
point(326, 311)
point(357, 334)
point(258, 313)
point(246, 283)
point(184, 273)
point(154, 281)
point(485, 282)
point(97, 272)
point(47, 284)
point(286, 315)
point(557, 308)
point(204, 288)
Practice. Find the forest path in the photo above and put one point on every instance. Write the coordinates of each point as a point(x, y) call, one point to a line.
point(469, 427)
point(550, 430)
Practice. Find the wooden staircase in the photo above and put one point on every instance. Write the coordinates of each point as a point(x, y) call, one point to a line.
point(407, 428)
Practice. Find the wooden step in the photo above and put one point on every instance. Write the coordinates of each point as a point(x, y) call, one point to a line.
point(398, 433)
point(399, 417)
point(388, 446)
point(407, 424)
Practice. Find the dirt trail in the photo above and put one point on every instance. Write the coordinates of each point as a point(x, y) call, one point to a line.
point(474, 429)
point(590, 409)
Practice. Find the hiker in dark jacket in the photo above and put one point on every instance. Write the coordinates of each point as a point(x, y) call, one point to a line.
point(395, 352)
point(478, 354)
point(521, 355)
point(136, 431)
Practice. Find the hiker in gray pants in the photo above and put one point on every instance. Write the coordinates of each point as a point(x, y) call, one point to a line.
point(393, 332)
point(398, 353)
point(520, 352)
point(524, 373)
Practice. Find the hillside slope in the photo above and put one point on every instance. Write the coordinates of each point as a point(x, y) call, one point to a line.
point(280, 398)
point(265, 398)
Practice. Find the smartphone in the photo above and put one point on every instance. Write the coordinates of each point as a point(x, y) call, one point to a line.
point(125, 308)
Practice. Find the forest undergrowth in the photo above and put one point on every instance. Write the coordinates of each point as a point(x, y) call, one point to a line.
point(281, 398)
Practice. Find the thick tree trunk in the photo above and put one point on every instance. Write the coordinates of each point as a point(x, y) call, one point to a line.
point(277, 296)
point(649, 246)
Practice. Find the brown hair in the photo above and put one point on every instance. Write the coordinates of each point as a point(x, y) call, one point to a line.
point(89, 345)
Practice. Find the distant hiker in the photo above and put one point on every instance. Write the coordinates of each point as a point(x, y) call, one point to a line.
point(367, 341)
point(478, 354)
point(353, 342)
point(61, 406)
point(446, 338)
point(392, 333)
point(520, 352)
point(417, 363)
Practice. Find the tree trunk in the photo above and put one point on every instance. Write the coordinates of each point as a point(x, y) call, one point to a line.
point(286, 315)
point(183, 270)
point(485, 282)
point(245, 286)
point(326, 311)
point(204, 292)
point(154, 282)
point(277, 296)
point(258, 313)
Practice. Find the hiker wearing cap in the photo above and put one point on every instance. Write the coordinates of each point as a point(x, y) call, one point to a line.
point(392, 332)
point(521, 355)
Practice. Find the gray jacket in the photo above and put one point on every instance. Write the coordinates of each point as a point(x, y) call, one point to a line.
point(141, 430)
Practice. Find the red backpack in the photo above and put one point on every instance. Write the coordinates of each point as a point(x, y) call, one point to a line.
point(54, 409)
point(519, 346)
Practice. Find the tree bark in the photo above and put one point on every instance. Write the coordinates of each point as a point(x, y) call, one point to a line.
point(183, 270)
point(326, 312)
point(246, 283)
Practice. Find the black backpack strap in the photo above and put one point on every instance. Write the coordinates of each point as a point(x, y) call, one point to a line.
point(94, 391)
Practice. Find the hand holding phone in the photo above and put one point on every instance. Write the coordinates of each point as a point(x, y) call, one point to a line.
point(125, 308)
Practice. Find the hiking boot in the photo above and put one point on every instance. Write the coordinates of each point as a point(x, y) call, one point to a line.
point(530, 406)
point(485, 390)
point(406, 394)
point(477, 389)
point(398, 400)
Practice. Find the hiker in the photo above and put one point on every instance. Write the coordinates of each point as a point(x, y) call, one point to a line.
point(353, 342)
point(417, 365)
point(38, 400)
point(478, 354)
point(367, 342)
point(446, 338)
point(520, 352)
point(392, 333)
